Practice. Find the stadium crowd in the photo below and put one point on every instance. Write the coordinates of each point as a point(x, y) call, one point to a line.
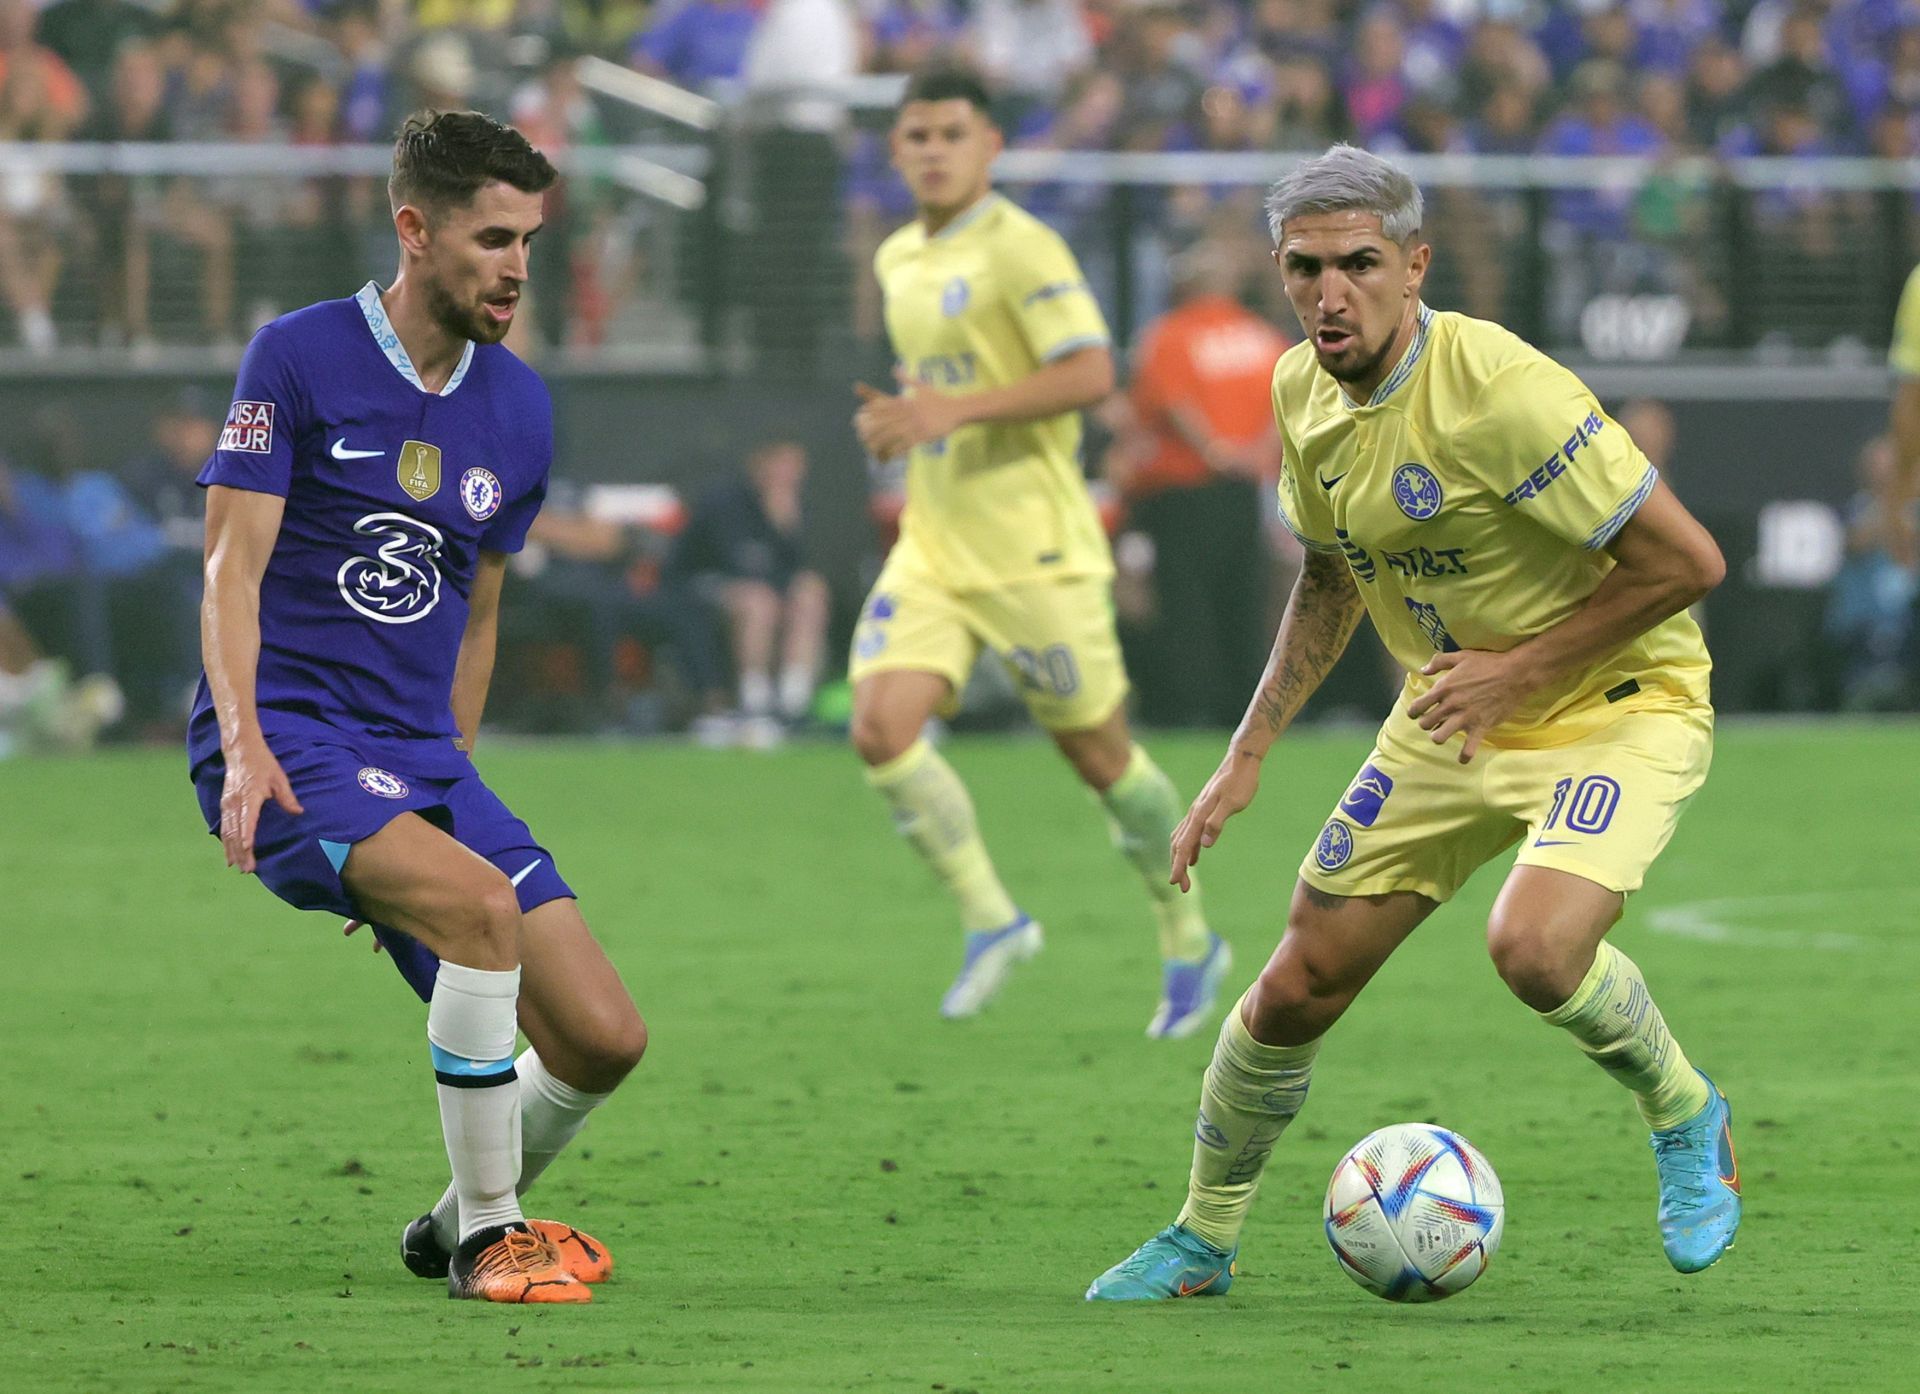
point(1564, 77)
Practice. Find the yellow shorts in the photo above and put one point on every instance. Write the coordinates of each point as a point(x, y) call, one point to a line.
point(1056, 639)
point(1416, 819)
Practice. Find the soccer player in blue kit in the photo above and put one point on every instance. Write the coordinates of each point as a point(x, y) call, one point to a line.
point(383, 456)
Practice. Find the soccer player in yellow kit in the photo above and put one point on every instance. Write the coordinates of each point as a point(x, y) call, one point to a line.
point(1523, 561)
point(1000, 344)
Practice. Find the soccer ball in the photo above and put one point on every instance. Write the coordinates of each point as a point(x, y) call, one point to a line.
point(1414, 1213)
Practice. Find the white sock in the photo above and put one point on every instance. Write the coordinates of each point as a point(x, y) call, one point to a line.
point(796, 690)
point(756, 694)
point(551, 1112)
point(470, 1029)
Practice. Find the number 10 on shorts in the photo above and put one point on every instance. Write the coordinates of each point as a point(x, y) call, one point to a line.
point(1588, 805)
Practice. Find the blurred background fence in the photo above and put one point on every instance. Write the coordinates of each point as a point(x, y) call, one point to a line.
point(737, 250)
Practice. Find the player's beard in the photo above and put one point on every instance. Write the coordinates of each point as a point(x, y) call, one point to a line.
point(464, 320)
point(1357, 371)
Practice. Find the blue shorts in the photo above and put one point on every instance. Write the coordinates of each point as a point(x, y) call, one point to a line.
point(347, 800)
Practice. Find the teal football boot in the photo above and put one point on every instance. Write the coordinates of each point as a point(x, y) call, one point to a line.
point(1699, 1185)
point(1174, 1263)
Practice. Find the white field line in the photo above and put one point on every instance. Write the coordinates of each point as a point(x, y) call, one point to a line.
point(1741, 921)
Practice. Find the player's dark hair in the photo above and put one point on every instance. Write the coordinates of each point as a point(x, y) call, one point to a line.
point(443, 158)
point(943, 82)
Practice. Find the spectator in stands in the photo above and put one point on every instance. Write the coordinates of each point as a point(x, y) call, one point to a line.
point(602, 584)
point(283, 229)
point(1192, 486)
point(124, 621)
point(124, 209)
point(1030, 51)
point(41, 594)
point(39, 706)
point(1671, 31)
point(1787, 129)
point(444, 75)
point(1610, 36)
point(1376, 84)
point(366, 99)
point(1161, 107)
point(1433, 44)
point(162, 483)
point(90, 34)
point(1298, 30)
point(798, 64)
point(1870, 610)
point(1716, 92)
point(1662, 99)
point(1310, 113)
point(1898, 86)
point(604, 28)
point(38, 553)
point(40, 99)
point(698, 42)
point(1591, 229)
point(199, 99)
point(907, 35)
point(1803, 78)
point(744, 548)
point(574, 295)
point(163, 479)
point(1500, 57)
point(1506, 123)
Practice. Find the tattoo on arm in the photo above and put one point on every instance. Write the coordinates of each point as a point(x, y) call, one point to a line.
point(1321, 900)
point(1322, 614)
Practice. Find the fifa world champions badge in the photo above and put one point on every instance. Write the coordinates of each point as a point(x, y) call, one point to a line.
point(419, 470)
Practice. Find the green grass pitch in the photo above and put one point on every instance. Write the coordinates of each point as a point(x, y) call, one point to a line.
point(215, 1114)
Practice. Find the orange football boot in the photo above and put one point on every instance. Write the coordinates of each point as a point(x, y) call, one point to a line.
point(580, 1254)
point(512, 1263)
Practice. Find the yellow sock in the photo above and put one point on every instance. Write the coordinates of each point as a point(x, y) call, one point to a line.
point(1142, 812)
point(1251, 1092)
point(1613, 1019)
point(932, 811)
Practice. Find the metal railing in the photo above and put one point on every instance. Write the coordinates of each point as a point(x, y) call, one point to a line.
point(718, 245)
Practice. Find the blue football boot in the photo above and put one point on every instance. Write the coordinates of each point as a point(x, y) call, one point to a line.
point(1699, 1185)
point(991, 956)
point(1174, 1263)
point(1186, 997)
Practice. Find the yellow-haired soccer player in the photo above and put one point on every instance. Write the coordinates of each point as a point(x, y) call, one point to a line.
point(1000, 345)
point(1525, 564)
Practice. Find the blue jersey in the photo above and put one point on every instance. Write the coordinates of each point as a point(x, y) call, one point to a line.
point(392, 494)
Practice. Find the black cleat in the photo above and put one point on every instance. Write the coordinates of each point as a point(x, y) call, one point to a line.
point(420, 1250)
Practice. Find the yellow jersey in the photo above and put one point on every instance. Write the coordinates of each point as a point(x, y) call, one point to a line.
point(1904, 355)
point(984, 302)
point(1473, 497)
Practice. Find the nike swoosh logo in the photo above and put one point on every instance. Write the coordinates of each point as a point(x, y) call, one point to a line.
point(1556, 842)
point(1328, 484)
point(526, 871)
point(340, 452)
point(1189, 1289)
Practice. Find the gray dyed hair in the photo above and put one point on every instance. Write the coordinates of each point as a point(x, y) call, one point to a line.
point(1346, 179)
